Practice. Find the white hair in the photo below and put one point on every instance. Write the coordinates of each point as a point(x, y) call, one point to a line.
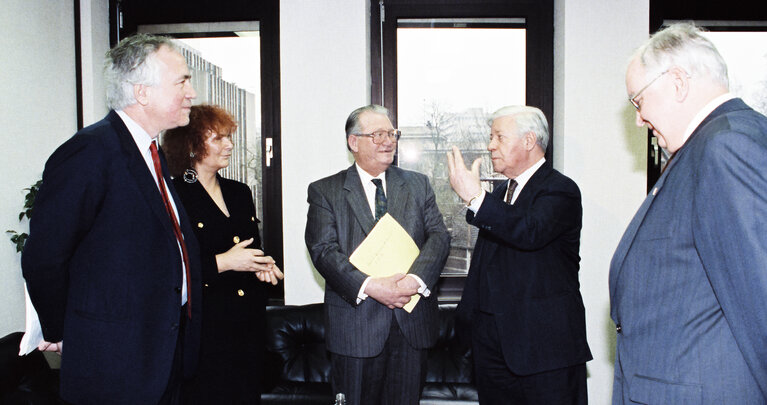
point(133, 61)
point(527, 119)
point(682, 45)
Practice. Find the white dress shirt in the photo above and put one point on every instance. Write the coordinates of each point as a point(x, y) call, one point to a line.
point(143, 141)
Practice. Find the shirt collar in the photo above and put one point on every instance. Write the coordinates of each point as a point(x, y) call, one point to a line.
point(704, 112)
point(365, 177)
point(525, 176)
point(140, 136)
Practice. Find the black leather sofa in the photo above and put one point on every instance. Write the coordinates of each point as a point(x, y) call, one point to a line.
point(297, 366)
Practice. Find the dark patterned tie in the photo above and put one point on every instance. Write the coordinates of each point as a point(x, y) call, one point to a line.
point(380, 199)
point(176, 227)
point(510, 190)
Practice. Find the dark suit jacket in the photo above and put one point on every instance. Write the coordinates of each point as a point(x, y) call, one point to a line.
point(527, 254)
point(339, 219)
point(234, 302)
point(104, 270)
point(688, 281)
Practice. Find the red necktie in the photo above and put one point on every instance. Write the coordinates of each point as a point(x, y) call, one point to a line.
point(176, 227)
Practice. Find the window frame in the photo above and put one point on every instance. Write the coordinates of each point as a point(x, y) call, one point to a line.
point(539, 23)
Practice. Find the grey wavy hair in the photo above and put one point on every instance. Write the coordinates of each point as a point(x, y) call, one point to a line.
point(132, 62)
point(353, 122)
point(527, 119)
point(682, 45)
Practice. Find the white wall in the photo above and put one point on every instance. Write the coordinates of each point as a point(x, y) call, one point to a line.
point(324, 69)
point(94, 38)
point(598, 146)
point(38, 113)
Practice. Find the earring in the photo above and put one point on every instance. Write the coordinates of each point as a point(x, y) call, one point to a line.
point(190, 175)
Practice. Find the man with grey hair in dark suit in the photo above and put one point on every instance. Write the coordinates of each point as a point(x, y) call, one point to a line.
point(522, 304)
point(377, 349)
point(112, 263)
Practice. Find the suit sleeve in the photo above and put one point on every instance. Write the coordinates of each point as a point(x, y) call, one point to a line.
point(65, 209)
point(553, 211)
point(434, 251)
point(322, 240)
point(730, 235)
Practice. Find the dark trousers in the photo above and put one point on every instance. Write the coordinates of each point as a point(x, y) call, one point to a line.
point(394, 377)
point(497, 384)
point(172, 394)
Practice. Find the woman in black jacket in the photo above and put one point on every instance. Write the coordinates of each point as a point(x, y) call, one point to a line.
point(234, 268)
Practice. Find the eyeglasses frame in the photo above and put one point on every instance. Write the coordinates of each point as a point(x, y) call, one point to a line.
point(378, 135)
point(633, 100)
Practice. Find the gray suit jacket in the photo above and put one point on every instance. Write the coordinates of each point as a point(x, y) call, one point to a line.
point(688, 281)
point(339, 219)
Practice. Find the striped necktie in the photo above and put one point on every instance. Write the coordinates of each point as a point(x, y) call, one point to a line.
point(380, 199)
point(510, 190)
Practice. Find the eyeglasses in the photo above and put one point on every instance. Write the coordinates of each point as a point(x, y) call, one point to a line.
point(378, 136)
point(633, 100)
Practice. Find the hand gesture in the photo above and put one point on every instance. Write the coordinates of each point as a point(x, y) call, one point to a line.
point(271, 276)
point(463, 181)
point(242, 258)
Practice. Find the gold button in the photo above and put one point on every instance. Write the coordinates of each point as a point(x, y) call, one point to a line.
point(200, 225)
point(236, 239)
point(252, 219)
point(206, 284)
point(240, 293)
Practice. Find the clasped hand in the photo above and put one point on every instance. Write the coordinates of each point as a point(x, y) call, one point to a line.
point(393, 291)
point(242, 258)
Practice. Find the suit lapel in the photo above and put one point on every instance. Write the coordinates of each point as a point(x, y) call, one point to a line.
point(355, 197)
point(534, 183)
point(396, 193)
point(616, 265)
point(139, 172)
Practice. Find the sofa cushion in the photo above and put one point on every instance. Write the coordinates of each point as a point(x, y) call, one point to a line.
point(297, 369)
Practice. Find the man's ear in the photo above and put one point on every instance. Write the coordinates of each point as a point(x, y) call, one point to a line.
point(530, 140)
point(681, 81)
point(351, 140)
point(141, 93)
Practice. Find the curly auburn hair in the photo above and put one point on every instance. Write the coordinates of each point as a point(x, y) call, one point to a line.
point(181, 142)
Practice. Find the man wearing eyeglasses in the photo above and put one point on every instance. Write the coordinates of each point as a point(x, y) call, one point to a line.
point(521, 303)
point(688, 281)
point(377, 349)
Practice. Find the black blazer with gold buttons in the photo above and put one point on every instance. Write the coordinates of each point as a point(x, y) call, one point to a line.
point(232, 295)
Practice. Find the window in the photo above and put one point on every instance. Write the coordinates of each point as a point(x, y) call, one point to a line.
point(441, 71)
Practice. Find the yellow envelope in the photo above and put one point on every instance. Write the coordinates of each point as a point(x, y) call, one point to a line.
point(388, 249)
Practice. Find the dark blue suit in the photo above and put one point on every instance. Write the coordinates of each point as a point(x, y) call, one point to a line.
point(104, 270)
point(524, 271)
point(688, 281)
